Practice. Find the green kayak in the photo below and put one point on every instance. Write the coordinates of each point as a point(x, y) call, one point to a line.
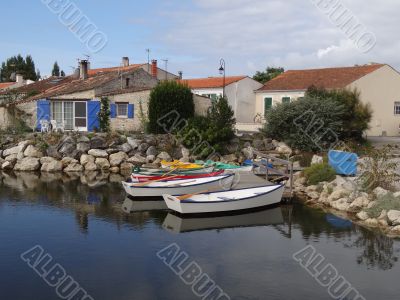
point(217, 164)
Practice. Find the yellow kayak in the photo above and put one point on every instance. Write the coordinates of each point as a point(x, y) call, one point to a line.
point(176, 164)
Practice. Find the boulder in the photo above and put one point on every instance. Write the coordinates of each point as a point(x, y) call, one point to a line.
point(316, 159)
point(83, 147)
point(358, 204)
point(394, 217)
point(91, 166)
point(46, 159)
point(50, 165)
point(137, 159)
point(143, 147)
point(67, 149)
point(103, 163)
point(114, 170)
point(338, 181)
point(13, 150)
point(150, 159)
point(73, 167)
point(2, 161)
point(259, 144)
point(68, 160)
point(98, 142)
point(134, 143)
point(338, 194)
point(126, 167)
point(230, 158)
point(379, 192)
point(52, 151)
point(86, 158)
point(371, 222)
point(362, 215)
point(341, 204)
point(126, 147)
point(32, 151)
point(117, 158)
point(185, 152)
point(12, 158)
point(83, 139)
point(98, 153)
point(283, 148)
point(164, 156)
point(396, 195)
point(152, 150)
point(248, 152)
point(383, 215)
point(27, 164)
point(7, 166)
point(313, 195)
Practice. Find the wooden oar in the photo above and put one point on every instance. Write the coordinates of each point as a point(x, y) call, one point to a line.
point(166, 174)
point(151, 181)
point(184, 197)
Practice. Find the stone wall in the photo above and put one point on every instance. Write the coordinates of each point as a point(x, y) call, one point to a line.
point(201, 105)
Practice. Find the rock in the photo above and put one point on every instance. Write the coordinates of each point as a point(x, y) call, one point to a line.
point(103, 163)
point(268, 146)
point(7, 166)
point(379, 192)
point(73, 167)
point(185, 152)
point(85, 159)
point(50, 165)
point(341, 204)
point(362, 215)
point(395, 229)
point(20, 155)
point(372, 204)
point(126, 167)
point(91, 166)
point(12, 158)
point(67, 149)
point(372, 222)
point(13, 150)
point(394, 217)
point(98, 142)
point(114, 170)
point(311, 188)
point(313, 195)
point(143, 147)
point(125, 148)
point(396, 195)
point(1, 162)
point(83, 147)
point(98, 153)
point(27, 164)
point(150, 159)
point(164, 156)
point(137, 159)
point(83, 139)
point(383, 215)
point(67, 161)
point(259, 144)
point(316, 159)
point(337, 194)
point(248, 152)
point(152, 150)
point(283, 148)
point(134, 143)
point(230, 158)
point(117, 158)
point(32, 151)
point(53, 152)
point(358, 204)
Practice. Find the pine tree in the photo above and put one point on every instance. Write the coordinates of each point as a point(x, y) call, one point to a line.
point(56, 70)
point(18, 65)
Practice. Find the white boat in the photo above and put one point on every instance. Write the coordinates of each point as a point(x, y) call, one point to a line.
point(266, 217)
point(227, 201)
point(179, 187)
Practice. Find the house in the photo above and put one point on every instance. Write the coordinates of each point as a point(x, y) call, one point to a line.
point(74, 101)
point(238, 89)
point(19, 81)
point(378, 84)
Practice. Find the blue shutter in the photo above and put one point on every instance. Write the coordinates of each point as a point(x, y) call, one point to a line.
point(43, 112)
point(93, 115)
point(131, 111)
point(113, 110)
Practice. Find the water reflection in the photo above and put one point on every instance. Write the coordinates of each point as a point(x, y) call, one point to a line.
point(100, 196)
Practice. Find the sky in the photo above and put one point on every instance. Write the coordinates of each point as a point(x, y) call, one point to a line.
point(195, 34)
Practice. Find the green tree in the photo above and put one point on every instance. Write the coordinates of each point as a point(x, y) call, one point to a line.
point(56, 70)
point(268, 74)
point(62, 73)
point(356, 116)
point(18, 65)
point(104, 114)
point(171, 103)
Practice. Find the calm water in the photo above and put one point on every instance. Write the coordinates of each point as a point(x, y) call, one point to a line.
point(108, 244)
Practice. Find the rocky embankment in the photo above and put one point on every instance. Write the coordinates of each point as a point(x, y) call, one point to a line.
point(111, 153)
point(343, 195)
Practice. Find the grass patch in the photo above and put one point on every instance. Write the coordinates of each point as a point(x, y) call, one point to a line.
point(318, 173)
point(387, 202)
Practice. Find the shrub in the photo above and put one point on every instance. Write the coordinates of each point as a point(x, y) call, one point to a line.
point(318, 173)
point(308, 124)
point(104, 114)
point(168, 97)
point(378, 169)
point(387, 202)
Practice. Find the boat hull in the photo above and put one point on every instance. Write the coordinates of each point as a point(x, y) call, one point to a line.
point(268, 196)
point(180, 187)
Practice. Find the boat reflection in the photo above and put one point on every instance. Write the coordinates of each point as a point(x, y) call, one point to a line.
point(178, 224)
point(130, 206)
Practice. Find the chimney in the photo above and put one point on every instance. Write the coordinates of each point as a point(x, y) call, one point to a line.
point(154, 68)
point(83, 69)
point(180, 74)
point(125, 61)
point(19, 78)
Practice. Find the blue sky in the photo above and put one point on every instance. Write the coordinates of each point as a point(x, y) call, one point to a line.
point(195, 34)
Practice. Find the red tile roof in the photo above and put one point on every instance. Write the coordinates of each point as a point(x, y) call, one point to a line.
point(4, 85)
point(211, 82)
point(93, 72)
point(329, 78)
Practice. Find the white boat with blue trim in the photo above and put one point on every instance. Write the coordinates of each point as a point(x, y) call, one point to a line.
point(179, 187)
point(226, 201)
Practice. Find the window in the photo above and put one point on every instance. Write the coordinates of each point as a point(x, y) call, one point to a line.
point(122, 109)
point(397, 108)
point(127, 82)
point(213, 97)
point(285, 100)
point(267, 105)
